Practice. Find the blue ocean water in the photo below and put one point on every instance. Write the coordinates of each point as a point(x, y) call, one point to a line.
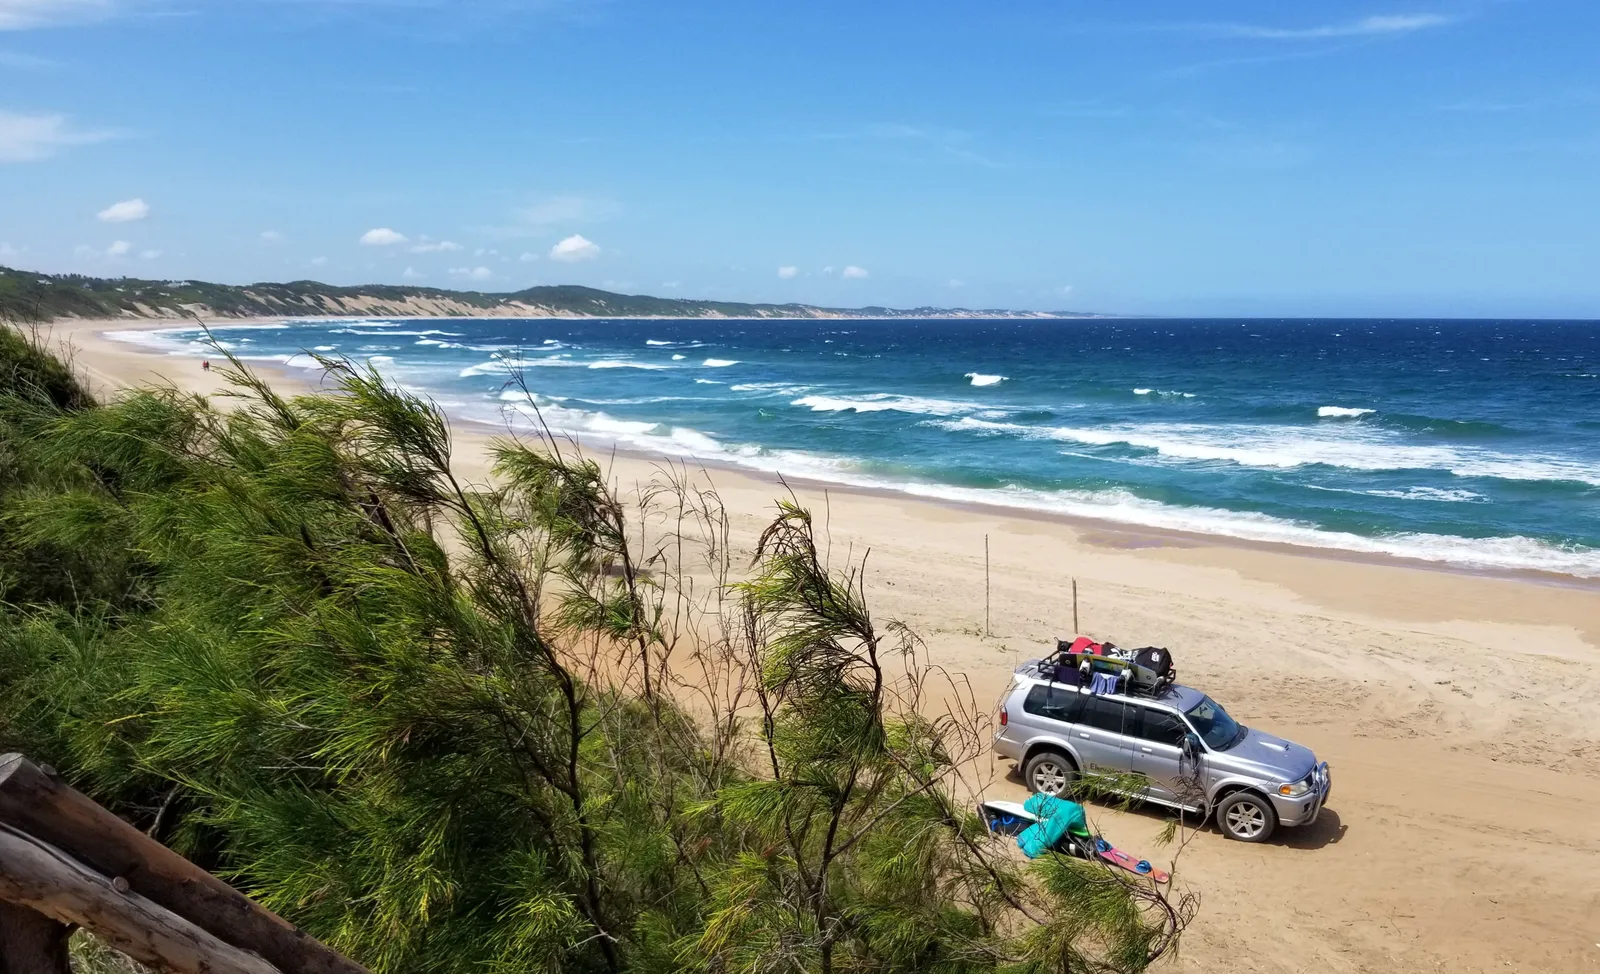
point(1471, 443)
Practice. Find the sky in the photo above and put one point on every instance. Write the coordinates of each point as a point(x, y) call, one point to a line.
point(1162, 157)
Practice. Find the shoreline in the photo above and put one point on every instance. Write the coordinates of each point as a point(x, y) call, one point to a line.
point(1460, 711)
point(599, 446)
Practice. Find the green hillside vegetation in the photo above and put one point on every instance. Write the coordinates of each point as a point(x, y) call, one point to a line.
point(30, 296)
point(527, 725)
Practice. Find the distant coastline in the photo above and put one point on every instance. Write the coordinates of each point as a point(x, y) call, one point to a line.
point(34, 296)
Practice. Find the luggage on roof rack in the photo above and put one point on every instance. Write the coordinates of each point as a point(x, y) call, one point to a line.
point(1148, 670)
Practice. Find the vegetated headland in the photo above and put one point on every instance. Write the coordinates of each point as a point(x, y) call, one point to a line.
point(34, 296)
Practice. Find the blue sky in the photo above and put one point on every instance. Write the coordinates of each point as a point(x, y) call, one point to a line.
point(1157, 157)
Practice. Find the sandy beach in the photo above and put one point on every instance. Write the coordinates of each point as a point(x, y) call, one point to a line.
point(1460, 713)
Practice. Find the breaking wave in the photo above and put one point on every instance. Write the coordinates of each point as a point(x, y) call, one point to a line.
point(1282, 448)
point(979, 379)
point(1342, 412)
point(885, 402)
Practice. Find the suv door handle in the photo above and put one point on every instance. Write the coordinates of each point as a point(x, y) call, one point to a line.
point(1146, 750)
point(1084, 736)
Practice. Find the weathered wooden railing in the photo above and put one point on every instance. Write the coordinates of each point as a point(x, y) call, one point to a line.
point(66, 861)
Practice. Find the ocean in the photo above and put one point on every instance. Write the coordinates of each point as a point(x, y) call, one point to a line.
point(1473, 444)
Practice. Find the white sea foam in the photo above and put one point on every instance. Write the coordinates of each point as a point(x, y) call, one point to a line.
point(1513, 553)
point(677, 358)
point(490, 367)
point(709, 382)
point(719, 363)
point(652, 341)
point(378, 348)
point(390, 332)
point(884, 402)
point(1448, 494)
point(979, 379)
point(621, 364)
point(325, 348)
point(1172, 393)
point(1453, 495)
point(1343, 412)
point(1288, 447)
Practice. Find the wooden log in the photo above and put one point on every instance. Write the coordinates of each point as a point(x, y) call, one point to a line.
point(37, 804)
point(32, 943)
point(50, 882)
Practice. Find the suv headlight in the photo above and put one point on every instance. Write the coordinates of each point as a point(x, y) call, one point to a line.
point(1295, 789)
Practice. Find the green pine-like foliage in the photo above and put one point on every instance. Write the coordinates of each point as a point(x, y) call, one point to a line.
point(519, 726)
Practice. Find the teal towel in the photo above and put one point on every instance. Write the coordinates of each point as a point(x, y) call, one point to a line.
point(1057, 817)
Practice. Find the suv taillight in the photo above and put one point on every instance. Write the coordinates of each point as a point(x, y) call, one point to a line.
point(1004, 717)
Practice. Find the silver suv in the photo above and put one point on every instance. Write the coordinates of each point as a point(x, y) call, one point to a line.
point(1177, 748)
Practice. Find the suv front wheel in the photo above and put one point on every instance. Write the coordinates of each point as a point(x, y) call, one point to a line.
point(1049, 773)
point(1247, 817)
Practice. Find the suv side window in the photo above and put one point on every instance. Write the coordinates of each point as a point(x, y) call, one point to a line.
point(1054, 702)
point(1161, 727)
point(1106, 715)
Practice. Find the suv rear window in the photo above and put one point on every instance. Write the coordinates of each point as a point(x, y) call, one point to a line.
point(1057, 703)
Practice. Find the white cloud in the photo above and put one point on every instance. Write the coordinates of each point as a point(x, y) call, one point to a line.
point(854, 272)
point(149, 254)
point(26, 138)
point(436, 247)
point(575, 248)
point(319, 262)
point(528, 258)
point(672, 284)
point(127, 211)
point(956, 282)
point(382, 237)
point(23, 14)
point(786, 272)
point(486, 252)
point(1064, 290)
point(472, 273)
point(1365, 27)
point(828, 270)
point(410, 274)
point(272, 237)
point(119, 249)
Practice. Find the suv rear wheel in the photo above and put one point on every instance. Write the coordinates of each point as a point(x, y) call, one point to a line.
point(1247, 817)
point(1049, 773)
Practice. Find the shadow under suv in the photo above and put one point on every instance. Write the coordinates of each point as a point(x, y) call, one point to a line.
point(1178, 747)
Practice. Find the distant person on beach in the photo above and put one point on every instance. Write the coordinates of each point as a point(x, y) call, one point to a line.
point(205, 365)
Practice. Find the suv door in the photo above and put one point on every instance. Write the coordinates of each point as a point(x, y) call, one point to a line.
point(1157, 753)
point(1100, 735)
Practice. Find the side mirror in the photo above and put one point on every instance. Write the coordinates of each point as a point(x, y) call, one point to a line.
point(1192, 748)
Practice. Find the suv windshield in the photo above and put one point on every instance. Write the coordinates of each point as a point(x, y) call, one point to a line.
point(1219, 731)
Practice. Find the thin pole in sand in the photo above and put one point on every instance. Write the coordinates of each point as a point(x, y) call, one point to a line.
point(986, 630)
point(1075, 630)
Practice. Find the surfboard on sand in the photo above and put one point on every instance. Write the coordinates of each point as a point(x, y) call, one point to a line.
point(1010, 818)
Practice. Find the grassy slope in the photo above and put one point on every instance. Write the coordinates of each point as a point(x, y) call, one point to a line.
point(31, 296)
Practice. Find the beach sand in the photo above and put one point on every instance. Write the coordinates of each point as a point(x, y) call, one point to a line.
point(1460, 712)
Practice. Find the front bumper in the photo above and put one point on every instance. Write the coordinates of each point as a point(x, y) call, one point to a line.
point(1305, 809)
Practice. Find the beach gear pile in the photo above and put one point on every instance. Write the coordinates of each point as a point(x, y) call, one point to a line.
point(1108, 668)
